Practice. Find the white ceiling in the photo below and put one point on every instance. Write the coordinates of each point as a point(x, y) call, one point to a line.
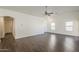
point(39, 10)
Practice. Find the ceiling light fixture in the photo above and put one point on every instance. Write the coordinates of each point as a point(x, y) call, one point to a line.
point(47, 13)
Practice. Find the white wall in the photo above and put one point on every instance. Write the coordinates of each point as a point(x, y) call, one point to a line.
point(60, 20)
point(25, 25)
point(28, 25)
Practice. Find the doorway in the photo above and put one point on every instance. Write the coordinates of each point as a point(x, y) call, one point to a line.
point(7, 32)
point(8, 24)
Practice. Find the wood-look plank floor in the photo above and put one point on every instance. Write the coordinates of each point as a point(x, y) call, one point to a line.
point(42, 43)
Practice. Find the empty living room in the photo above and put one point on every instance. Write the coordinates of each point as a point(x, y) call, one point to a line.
point(39, 29)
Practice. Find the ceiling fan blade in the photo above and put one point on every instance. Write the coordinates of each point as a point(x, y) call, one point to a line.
point(45, 12)
point(51, 13)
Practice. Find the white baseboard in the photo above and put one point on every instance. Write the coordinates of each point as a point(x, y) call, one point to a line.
point(63, 34)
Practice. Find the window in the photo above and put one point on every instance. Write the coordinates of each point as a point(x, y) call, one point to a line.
point(69, 26)
point(52, 26)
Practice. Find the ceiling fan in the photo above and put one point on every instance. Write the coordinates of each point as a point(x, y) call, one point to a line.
point(47, 13)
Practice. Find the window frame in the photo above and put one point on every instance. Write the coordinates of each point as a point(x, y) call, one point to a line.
point(53, 26)
point(68, 26)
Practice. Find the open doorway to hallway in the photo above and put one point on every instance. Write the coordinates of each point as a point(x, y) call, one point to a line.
point(6, 32)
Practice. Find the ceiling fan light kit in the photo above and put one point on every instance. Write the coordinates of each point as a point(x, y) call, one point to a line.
point(48, 13)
